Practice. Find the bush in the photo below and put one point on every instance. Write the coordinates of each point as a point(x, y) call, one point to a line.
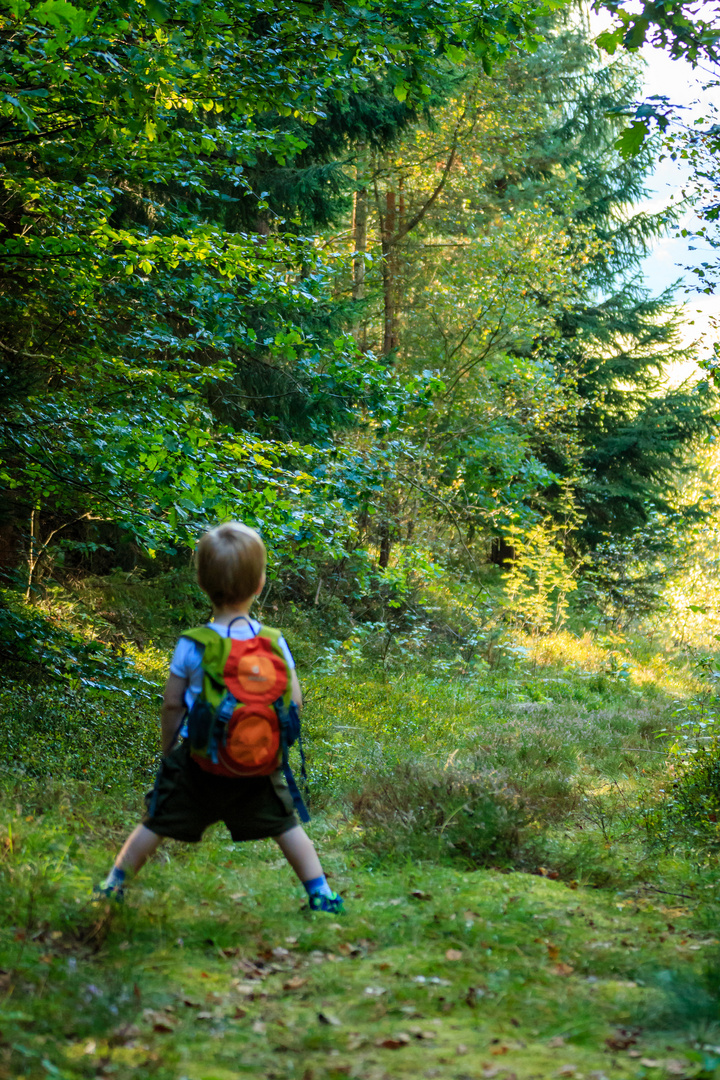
point(693, 808)
point(52, 735)
point(421, 811)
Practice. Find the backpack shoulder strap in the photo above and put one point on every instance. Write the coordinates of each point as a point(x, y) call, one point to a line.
point(202, 634)
point(270, 632)
point(216, 649)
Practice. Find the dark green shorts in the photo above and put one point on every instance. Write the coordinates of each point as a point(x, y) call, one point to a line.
point(185, 800)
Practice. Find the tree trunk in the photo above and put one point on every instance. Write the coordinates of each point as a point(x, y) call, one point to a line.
point(34, 549)
point(359, 232)
point(389, 270)
point(385, 545)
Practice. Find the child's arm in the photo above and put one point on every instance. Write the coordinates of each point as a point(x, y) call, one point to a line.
point(295, 687)
point(173, 710)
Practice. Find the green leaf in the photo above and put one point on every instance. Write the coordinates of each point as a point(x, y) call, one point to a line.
point(157, 10)
point(631, 140)
point(609, 40)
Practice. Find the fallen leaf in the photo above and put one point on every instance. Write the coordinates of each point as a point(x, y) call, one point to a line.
point(557, 1040)
point(160, 1021)
point(328, 1018)
point(553, 952)
point(473, 995)
point(238, 895)
point(497, 1050)
point(563, 969)
point(461, 1049)
point(259, 1027)
point(294, 983)
point(453, 954)
point(124, 1034)
point(676, 1068)
point(621, 1039)
point(280, 953)
point(395, 1042)
point(650, 1063)
point(634, 1053)
point(566, 1070)
point(489, 1071)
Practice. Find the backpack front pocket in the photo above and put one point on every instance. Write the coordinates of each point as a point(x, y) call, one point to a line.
point(252, 743)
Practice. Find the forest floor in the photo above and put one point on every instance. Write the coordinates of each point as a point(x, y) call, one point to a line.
point(575, 947)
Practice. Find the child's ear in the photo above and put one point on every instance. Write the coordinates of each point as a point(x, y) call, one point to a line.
point(261, 584)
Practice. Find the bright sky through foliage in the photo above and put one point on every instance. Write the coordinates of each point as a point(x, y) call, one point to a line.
point(686, 87)
point(668, 262)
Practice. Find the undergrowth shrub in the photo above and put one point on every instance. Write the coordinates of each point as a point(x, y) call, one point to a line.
point(692, 809)
point(422, 811)
point(52, 735)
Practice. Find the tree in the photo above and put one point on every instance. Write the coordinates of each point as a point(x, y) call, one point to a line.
point(142, 269)
point(616, 341)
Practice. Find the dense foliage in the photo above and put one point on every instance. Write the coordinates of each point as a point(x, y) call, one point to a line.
point(364, 276)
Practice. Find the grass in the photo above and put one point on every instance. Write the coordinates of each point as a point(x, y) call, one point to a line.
point(570, 942)
point(213, 970)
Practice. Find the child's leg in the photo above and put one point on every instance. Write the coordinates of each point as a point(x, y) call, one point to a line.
point(299, 850)
point(137, 849)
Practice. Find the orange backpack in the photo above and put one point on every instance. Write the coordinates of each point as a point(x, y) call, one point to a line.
point(244, 720)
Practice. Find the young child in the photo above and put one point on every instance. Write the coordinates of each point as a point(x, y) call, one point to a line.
point(230, 562)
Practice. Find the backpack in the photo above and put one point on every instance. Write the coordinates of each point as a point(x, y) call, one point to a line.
point(244, 721)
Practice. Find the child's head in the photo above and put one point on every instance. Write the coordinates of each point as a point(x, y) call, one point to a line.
point(230, 562)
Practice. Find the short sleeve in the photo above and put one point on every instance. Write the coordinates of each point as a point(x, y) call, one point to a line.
point(186, 659)
point(286, 653)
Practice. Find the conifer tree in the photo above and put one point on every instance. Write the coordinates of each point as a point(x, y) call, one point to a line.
point(617, 340)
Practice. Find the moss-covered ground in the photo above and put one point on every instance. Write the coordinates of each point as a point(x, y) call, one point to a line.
point(562, 937)
point(212, 970)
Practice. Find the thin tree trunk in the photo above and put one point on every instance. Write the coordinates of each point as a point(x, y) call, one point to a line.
point(389, 275)
point(385, 545)
point(359, 231)
point(34, 548)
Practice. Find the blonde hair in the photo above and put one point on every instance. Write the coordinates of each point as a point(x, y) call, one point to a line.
point(230, 561)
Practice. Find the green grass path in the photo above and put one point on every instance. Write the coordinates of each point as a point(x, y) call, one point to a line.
point(212, 971)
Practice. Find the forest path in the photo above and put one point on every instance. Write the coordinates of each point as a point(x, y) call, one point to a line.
point(211, 971)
